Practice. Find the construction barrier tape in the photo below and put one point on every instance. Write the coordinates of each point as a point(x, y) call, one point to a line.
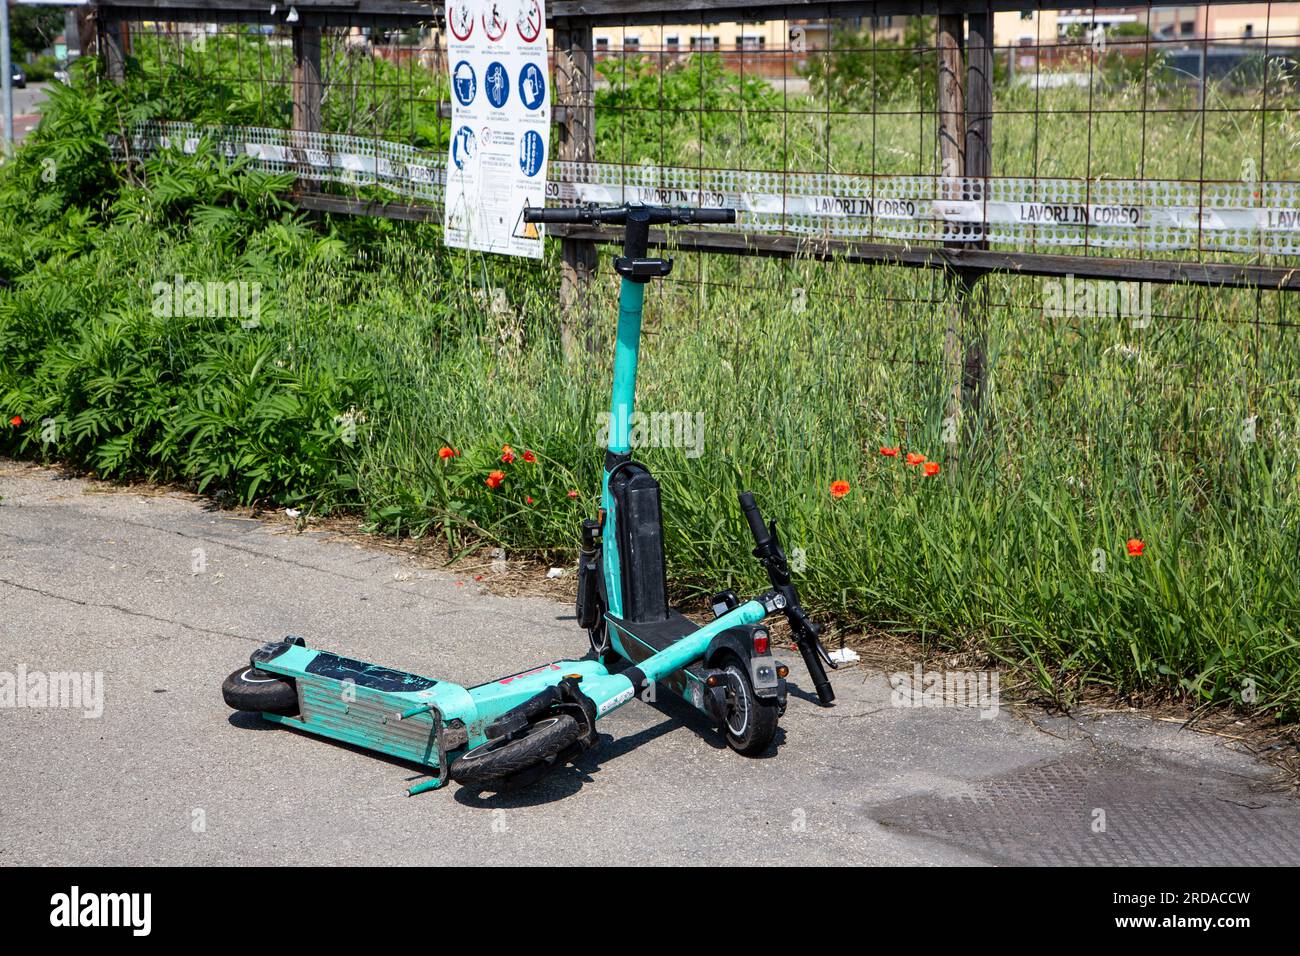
point(1135, 215)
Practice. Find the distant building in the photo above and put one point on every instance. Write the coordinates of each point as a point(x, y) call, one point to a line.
point(1030, 27)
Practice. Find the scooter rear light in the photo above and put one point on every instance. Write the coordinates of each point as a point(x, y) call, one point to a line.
point(760, 640)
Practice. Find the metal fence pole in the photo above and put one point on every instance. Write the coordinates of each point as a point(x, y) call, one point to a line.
point(575, 92)
point(952, 156)
point(979, 97)
point(6, 80)
point(979, 165)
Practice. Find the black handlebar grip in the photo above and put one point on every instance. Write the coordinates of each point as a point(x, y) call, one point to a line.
point(755, 518)
point(714, 215)
point(542, 214)
point(812, 661)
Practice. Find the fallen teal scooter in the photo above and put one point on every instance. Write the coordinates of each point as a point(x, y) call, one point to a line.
point(509, 732)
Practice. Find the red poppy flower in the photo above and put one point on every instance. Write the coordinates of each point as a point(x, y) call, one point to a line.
point(931, 468)
point(839, 488)
point(1135, 546)
point(16, 421)
point(494, 479)
point(529, 456)
point(444, 452)
point(573, 493)
point(914, 459)
point(507, 454)
point(889, 452)
point(528, 499)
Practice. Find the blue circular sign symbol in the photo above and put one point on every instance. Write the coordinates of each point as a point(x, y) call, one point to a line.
point(464, 82)
point(463, 146)
point(532, 86)
point(532, 152)
point(497, 82)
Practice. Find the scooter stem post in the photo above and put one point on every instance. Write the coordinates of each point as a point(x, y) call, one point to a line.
point(631, 298)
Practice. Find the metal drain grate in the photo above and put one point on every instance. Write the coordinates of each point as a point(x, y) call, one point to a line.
point(1155, 814)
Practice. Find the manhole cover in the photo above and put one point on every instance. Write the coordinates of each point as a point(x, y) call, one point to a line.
point(1102, 811)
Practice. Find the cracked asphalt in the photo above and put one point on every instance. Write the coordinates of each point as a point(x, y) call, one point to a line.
point(163, 598)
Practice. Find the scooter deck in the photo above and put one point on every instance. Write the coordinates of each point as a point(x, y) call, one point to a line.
point(641, 640)
point(357, 702)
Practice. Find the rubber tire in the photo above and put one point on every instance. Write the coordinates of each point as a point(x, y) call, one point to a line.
point(759, 727)
point(251, 689)
point(489, 765)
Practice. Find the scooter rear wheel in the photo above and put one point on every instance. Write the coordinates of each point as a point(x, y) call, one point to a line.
point(490, 766)
point(253, 690)
point(751, 720)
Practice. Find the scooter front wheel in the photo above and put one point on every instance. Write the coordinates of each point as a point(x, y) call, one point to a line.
point(258, 691)
point(490, 766)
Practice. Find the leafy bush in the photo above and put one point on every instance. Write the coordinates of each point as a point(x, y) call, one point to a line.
point(658, 115)
point(861, 69)
point(108, 381)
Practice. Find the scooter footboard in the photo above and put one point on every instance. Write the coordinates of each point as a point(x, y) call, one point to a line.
point(358, 703)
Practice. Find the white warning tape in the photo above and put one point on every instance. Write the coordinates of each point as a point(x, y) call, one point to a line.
point(1260, 217)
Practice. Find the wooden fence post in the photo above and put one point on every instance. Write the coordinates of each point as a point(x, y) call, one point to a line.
point(87, 41)
point(575, 91)
point(306, 78)
point(112, 42)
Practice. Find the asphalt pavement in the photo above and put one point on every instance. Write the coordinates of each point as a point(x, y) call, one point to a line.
point(158, 597)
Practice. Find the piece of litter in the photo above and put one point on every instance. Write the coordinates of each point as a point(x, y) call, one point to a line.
point(555, 573)
point(844, 656)
point(292, 512)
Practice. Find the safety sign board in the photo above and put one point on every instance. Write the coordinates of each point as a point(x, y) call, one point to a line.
point(501, 120)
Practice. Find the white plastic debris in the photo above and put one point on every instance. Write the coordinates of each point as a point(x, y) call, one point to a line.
point(555, 573)
point(844, 656)
point(292, 512)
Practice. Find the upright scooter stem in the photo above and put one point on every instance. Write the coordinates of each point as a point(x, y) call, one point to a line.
point(637, 267)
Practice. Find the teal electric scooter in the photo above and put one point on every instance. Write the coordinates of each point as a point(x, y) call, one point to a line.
point(509, 732)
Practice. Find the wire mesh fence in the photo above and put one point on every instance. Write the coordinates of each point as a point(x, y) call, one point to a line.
point(1167, 136)
point(1110, 135)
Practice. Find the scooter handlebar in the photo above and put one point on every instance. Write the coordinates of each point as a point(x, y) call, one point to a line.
point(575, 214)
point(709, 215)
point(768, 550)
point(755, 518)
